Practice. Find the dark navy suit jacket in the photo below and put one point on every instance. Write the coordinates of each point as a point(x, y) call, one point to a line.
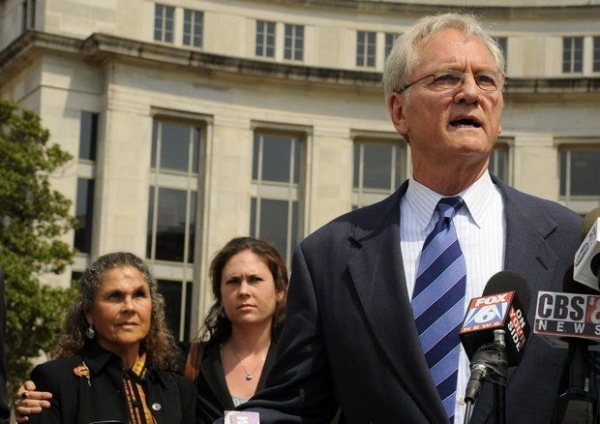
point(350, 338)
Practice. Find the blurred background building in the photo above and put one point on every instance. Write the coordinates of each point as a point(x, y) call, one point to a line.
point(194, 121)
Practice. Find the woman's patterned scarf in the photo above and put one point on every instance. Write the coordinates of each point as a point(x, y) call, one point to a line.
point(135, 384)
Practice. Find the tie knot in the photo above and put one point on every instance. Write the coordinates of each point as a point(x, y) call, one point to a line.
point(448, 206)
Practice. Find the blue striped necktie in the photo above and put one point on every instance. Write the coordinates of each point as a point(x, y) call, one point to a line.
point(438, 301)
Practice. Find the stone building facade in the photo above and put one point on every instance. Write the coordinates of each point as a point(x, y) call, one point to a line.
point(194, 121)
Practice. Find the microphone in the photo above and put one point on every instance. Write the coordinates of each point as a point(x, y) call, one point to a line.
point(241, 417)
point(495, 329)
point(587, 257)
point(578, 347)
point(570, 320)
point(562, 316)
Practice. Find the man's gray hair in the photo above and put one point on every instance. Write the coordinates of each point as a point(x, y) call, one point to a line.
point(404, 57)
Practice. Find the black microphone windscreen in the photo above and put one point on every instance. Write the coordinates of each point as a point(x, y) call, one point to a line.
point(588, 221)
point(572, 286)
point(505, 281)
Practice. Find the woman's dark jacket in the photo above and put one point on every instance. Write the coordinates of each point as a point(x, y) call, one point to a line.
point(75, 400)
point(213, 395)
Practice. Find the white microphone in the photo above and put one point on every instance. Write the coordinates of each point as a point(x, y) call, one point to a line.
point(587, 257)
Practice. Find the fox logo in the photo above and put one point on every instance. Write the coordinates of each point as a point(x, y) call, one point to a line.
point(486, 315)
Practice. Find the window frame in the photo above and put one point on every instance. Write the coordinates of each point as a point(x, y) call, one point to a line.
point(502, 42)
point(86, 171)
point(184, 272)
point(503, 147)
point(163, 14)
point(28, 12)
point(265, 32)
point(366, 49)
point(389, 39)
point(296, 42)
point(572, 55)
point(363, 196)
point(578, 203)
point(596, 54)
point(195, 20)
point(291, 191)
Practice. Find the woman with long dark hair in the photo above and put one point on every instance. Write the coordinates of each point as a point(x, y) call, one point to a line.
point(249, 282)
point(115, 358)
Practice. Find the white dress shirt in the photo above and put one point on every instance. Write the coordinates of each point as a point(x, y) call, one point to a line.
point(480, 227)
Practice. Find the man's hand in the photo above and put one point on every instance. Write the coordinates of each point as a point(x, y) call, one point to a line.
point(29, 402)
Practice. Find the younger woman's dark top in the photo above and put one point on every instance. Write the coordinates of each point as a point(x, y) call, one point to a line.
point(213, 395)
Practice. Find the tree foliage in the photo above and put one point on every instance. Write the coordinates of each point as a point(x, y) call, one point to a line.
point(33, 217)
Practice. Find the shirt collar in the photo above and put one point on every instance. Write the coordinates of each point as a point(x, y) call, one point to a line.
point(422, 200)
point(99, 360)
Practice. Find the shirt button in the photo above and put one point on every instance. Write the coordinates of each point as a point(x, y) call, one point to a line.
point(156, 407)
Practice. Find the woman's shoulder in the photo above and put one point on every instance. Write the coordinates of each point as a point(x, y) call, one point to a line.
point(200, 349)
point(57, 373)
point(57, 364)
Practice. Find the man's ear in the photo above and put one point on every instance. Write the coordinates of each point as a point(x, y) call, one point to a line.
point(396, 102)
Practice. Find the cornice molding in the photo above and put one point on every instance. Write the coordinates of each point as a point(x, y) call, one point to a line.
point(102, 48)
point(584, 9)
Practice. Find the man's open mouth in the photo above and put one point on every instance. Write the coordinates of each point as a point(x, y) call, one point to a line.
point(462, 123)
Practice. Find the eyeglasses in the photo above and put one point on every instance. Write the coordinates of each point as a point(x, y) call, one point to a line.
point(451, 80)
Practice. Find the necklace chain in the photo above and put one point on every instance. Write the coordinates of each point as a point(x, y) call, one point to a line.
point(249, 375)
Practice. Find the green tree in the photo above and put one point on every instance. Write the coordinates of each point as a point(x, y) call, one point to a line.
point(33, 217)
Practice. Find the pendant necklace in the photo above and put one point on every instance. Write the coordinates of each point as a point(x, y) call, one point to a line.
point(249, 375)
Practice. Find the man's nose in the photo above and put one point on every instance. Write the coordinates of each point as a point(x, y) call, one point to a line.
point(468, 91)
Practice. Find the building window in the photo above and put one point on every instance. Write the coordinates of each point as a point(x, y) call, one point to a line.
point(173, 214)
point(499, 162)
point(265, 39)
point(389, 42)
point(294, 42)
point(193, 21)
point(84, 200)
point(172, 222)
point(503, 44)
point(172, 209)
point(572, 54)
point(365, 49)
point(84, 211)
point(580, 172)
point(596, 67)
point(163, 23)
point(178, 298)
point(580, 177)
point(28, 10)
point(277, 190)
point(379, 169)
point(88, 136)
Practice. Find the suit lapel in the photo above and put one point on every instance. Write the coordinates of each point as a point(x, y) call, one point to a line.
point(526, 249)
point(528, 254)
point(269, 362)
point(377, 273)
